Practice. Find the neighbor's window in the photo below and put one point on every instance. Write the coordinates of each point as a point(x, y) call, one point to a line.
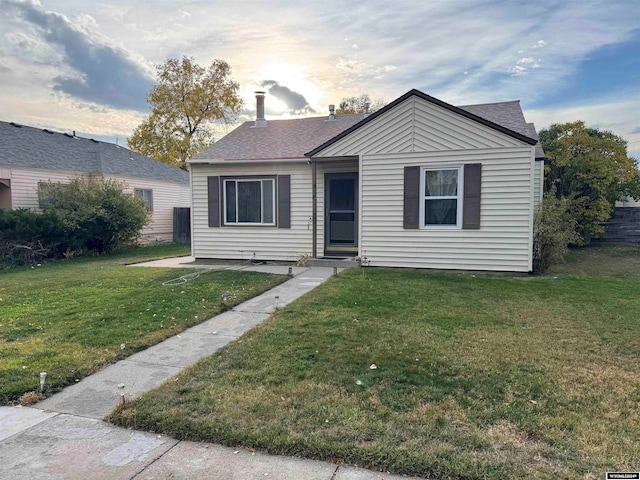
point(45, 197)
point(147, 195)
point(250, 201)
point(441, 197)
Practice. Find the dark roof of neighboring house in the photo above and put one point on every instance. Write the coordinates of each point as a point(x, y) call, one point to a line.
point(304, 137)
point(29, 147)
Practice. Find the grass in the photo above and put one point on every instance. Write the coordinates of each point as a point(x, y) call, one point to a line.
point(600, 260)
point(128, 254)
point(71, 318)
point(438, 375)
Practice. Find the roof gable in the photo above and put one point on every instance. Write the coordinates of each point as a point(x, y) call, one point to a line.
point(34, 148)
point(522, 135)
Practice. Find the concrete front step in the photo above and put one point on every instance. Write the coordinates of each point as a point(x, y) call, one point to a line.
point(348, 262)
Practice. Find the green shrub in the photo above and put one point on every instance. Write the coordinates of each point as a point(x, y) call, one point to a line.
point(554, 229)
point(97, 215)
point(592, 167)
point(29, 237)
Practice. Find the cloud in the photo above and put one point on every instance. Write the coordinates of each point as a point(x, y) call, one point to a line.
point(354, 67)
point(469, 63)
point(617, 114)
point(523, 66)
point(94, 70)
point(295, 102)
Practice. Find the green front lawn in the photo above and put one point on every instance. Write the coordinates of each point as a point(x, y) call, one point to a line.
point(439, 375)
point(70, 318)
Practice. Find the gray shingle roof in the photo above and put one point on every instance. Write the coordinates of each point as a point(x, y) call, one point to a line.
point(507, 114)
point(533, 134)
point(280, 139)
point(28, 147)
point(292, 139)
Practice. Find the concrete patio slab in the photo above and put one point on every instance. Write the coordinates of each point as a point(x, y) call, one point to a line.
point(190, 460)
point(95, 396)
point(14, 420)
point(70, 447)
point(173, 262)
point(188, 262)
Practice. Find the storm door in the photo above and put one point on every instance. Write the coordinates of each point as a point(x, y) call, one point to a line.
point(341, 213)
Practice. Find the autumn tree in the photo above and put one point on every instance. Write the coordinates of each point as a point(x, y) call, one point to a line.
point(186, 101)
point(590, 167)
point(358, 104)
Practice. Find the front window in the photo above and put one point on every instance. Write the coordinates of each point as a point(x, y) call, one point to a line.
point(441, 198)
point(250, 202)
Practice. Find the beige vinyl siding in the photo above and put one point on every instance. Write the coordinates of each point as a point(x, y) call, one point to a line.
point(241, 242)
point(418, 125)
point(166, 195)
point(503, 241)
point(24, 185)
point(538, 182)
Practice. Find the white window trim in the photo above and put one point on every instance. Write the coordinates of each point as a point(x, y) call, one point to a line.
point(459, 197)
point(240, 180)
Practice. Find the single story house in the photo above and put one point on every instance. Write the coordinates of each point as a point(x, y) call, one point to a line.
point(419, 183)
point(31, 156)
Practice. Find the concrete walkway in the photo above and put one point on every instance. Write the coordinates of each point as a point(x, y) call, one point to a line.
point(63, 436)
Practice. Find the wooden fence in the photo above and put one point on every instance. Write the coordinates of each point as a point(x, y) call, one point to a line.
point(181, 224)
point(623, 228)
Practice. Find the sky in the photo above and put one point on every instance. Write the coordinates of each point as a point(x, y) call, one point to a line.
point(86, 66)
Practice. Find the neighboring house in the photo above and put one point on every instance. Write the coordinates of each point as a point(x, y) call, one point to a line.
point(31, 156)
point(420, 183)
point(628, 203)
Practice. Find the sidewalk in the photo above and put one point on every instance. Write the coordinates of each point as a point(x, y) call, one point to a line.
point(63, 436)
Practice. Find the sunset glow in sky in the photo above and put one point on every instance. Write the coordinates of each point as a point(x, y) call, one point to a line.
point(87, 65)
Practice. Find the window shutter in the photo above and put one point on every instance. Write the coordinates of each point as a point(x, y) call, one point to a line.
point(471, 201)
point(213, 192)
point(411, 197)
point(284, 201)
